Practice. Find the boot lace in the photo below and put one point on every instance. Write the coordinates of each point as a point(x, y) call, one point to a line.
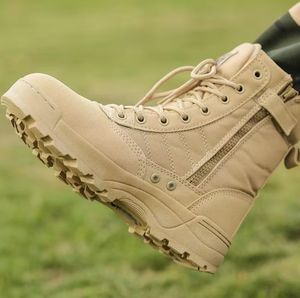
point(203, 79)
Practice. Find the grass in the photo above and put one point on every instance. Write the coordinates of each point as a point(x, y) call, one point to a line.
point(55, 244)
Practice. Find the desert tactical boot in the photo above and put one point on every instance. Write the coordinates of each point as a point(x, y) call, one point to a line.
point(182, 167)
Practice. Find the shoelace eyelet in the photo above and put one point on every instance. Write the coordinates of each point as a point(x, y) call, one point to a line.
point(205, 111)
point(164, 120)
point(121, 116)
point(240, 89)
point(225, 99)
point(185, 118)
point(257, 74)
point(141, 119)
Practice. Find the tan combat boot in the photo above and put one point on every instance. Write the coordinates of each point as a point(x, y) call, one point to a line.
point(183, 173)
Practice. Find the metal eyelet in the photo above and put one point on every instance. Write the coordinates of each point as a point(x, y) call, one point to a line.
point(225, 99)
point(155, 178)
point(171, 185)
point(257, 74)
point(164, 120)
point(240, 89)
point(185, 118)
point(121, 116)
point(141, 119)
point(205, 111)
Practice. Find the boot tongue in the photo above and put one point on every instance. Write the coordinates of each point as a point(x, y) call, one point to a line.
point(232, 62)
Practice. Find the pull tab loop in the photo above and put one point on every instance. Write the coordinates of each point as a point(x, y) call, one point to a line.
point(274, 104)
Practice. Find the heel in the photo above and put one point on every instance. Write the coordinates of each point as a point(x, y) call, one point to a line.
point(191, 244)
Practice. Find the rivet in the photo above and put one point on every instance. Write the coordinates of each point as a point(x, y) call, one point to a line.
point(155, 178)
point(171, 185)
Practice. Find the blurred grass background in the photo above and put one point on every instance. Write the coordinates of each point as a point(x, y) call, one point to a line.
point(55, 244)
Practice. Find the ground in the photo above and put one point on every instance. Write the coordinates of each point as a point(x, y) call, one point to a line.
point(55, 244)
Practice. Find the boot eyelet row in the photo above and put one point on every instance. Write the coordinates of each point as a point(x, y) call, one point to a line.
point(163, 120)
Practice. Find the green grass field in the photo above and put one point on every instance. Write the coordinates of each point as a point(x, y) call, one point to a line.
point(55, 244)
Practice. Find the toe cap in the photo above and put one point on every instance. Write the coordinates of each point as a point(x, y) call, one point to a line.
point(54, 105)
